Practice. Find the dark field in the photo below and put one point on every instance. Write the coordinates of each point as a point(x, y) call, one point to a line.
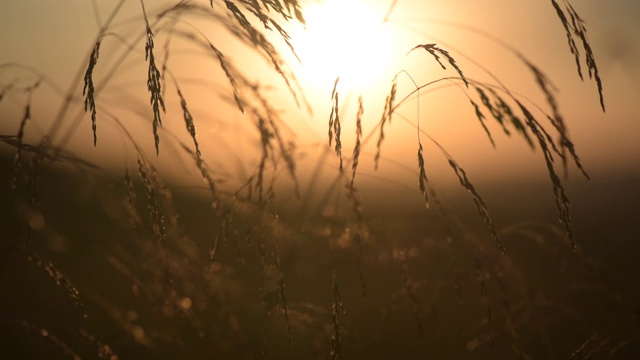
point(434, 288)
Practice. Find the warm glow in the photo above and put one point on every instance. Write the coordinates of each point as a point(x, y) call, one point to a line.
point(344, 38)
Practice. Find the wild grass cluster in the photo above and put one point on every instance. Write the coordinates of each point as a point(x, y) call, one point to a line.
point(240, 272)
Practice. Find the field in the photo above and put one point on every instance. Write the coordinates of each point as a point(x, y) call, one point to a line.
point(193, 195)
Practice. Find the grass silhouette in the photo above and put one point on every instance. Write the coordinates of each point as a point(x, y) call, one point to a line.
point(241, 272)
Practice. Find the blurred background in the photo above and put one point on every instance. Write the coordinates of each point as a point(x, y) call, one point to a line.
point(436, 283)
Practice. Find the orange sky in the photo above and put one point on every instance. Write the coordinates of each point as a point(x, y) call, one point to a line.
point(56, 36)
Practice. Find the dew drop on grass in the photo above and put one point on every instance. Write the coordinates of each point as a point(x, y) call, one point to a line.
point(185, 303)
point(399, 254)
point(473, 344)
point(36, 221)
point(344, 241)
point(33, 217)
point(138, 332)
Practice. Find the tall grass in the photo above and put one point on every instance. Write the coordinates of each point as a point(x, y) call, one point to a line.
point(240, 274)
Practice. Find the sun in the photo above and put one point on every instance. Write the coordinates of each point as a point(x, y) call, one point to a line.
point(342, 38)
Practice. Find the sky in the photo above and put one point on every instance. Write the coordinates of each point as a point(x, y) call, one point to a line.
point(56, 36)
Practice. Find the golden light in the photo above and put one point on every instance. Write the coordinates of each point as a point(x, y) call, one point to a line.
point(343, 38)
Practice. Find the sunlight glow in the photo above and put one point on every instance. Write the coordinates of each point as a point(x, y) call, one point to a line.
point(344, 38)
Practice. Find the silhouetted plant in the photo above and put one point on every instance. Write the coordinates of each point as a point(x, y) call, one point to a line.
point(188, 294)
